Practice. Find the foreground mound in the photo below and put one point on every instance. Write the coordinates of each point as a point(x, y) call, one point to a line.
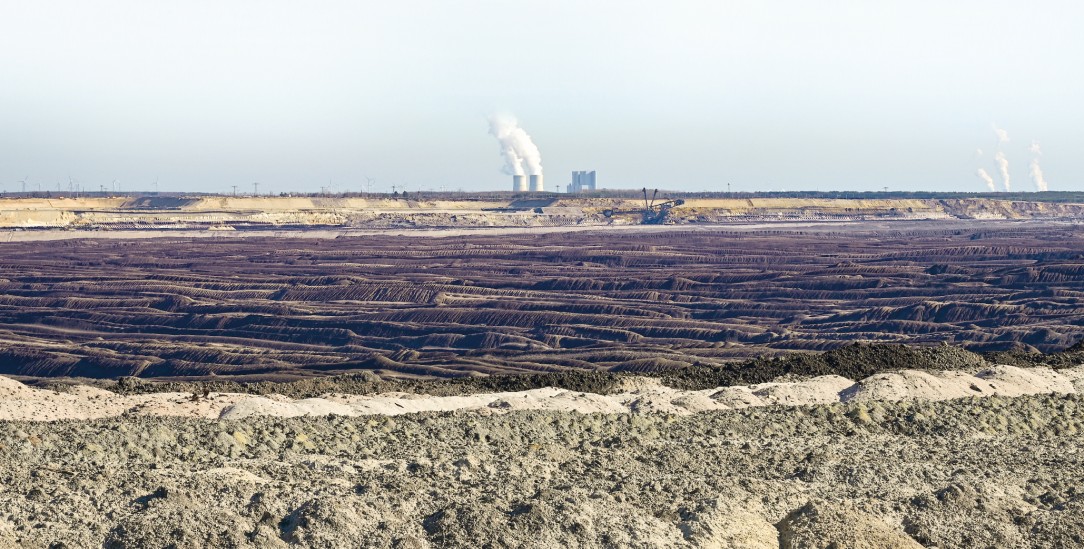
point(994, 472)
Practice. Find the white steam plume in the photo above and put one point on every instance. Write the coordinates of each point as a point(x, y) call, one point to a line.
point(1036, 171)
point(1003, 167)
point(1002, 135)
point(519, 151)
point(981, 173)
point(513, 162)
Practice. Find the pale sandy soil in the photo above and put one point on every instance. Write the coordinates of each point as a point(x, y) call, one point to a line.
point(139, 213)
point(9, 235)
point(641, 395)
point(963, 472)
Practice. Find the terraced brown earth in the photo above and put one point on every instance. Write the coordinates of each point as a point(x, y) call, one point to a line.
point(286, 307)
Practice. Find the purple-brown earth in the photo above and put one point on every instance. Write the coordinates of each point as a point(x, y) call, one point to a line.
point(282, 307)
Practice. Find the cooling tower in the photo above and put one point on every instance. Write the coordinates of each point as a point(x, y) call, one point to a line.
point(536, 184)
point(519, 184)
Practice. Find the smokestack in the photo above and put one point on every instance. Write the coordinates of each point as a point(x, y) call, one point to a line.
point(536, 183)
point(519, 183)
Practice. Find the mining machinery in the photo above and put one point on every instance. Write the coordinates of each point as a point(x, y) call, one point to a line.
point(654, 213)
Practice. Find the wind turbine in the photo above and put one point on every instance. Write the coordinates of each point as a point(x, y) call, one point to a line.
point(156, 185)
point(24, 183)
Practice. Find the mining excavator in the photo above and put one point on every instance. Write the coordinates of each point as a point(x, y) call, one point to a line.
point(653, 213)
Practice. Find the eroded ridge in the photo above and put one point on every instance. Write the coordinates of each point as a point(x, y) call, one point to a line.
point(631, 394)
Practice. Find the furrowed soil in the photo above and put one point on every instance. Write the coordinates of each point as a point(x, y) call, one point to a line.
point(195, 372)
point(686, 301)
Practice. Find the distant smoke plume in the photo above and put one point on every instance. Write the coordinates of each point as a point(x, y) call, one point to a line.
point(513, 162)
point(519, 151)
point(981, 173)
point(1036, 171)
point(1002, 135)
point(1003, 167)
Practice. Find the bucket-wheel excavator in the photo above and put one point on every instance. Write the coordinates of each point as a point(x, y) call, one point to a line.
point(653, 213)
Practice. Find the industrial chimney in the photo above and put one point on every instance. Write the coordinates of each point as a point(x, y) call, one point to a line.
point(519, 183)
point(536, 184)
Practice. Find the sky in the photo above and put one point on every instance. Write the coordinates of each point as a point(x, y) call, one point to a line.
point(682, 95)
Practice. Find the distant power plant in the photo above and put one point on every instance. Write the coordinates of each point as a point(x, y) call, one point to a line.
point(582, 181)
point(519, 183)
point(521, 156)
point(525, 183)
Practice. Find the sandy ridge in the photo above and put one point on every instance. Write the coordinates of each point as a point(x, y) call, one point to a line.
point(640, 396)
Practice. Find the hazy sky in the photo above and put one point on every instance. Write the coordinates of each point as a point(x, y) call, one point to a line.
point(675, 94)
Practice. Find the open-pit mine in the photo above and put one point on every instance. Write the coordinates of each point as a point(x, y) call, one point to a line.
point(510, 370)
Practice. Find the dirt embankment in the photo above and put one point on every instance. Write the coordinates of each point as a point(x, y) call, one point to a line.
point(855, 362)
point(220, 212)
point(633, 394)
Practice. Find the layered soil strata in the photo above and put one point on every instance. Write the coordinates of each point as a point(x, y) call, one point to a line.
point(463, 211)
point(280, 308)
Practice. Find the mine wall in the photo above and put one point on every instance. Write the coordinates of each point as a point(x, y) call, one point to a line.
point(222, 212)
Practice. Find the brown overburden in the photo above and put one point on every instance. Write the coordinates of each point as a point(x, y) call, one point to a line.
point(288, 306)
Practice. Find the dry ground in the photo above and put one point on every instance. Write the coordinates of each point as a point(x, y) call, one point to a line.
point(284, 307)
point(994, 472)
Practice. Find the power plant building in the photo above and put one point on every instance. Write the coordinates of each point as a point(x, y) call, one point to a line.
point(519, 183)
point(536, 184)
point(582, 182)
point(527, 183)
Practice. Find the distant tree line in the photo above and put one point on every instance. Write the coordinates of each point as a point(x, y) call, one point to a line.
point(1049, 196)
